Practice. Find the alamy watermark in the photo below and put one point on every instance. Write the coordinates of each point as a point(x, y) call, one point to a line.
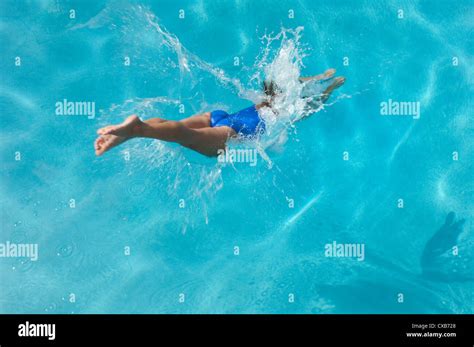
point(19, 250)
point(400, 108)
point(345, 250)
point(241, 155)
point(75, 108)
point(28, 329)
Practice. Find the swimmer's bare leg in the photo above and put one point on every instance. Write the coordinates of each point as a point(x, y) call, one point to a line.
point(107, 140)
point(104, 130)
point(195, 122)
point(204, 140)
point(329, 73)
point(209, 141)
point(198, 121)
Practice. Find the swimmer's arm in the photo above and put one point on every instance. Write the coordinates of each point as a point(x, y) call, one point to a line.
point(322, 76)
point(306, 79)
point(262, 104)
point(311, 78)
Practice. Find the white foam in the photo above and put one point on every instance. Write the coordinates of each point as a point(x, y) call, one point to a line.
point(280, 60)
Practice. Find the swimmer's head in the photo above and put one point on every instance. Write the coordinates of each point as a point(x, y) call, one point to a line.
point(270, 89)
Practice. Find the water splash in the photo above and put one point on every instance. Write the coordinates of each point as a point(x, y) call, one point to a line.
point(280, 60)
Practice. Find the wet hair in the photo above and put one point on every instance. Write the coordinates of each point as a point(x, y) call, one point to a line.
point(270, 88)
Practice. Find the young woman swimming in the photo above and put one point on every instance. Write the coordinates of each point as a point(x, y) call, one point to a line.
point(205, 133)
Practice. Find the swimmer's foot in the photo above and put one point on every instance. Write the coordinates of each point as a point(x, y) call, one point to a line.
point(106, 142)
point(129, 128)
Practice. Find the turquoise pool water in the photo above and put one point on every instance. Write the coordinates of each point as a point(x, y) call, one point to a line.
point(154, 228)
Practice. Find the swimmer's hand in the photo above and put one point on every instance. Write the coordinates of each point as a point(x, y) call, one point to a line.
point(328, 74)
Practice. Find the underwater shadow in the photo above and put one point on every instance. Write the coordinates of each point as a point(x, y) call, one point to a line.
point(440, 260)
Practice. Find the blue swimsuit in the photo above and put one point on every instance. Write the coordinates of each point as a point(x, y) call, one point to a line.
point(246, 122)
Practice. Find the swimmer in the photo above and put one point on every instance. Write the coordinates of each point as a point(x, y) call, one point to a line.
point(206, 133)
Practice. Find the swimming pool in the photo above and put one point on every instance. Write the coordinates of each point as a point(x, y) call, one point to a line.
point(332, 216)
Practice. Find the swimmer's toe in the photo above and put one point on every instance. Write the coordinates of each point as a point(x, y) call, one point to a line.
point(107, 142)
point(104, 130)
point(98, 145)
